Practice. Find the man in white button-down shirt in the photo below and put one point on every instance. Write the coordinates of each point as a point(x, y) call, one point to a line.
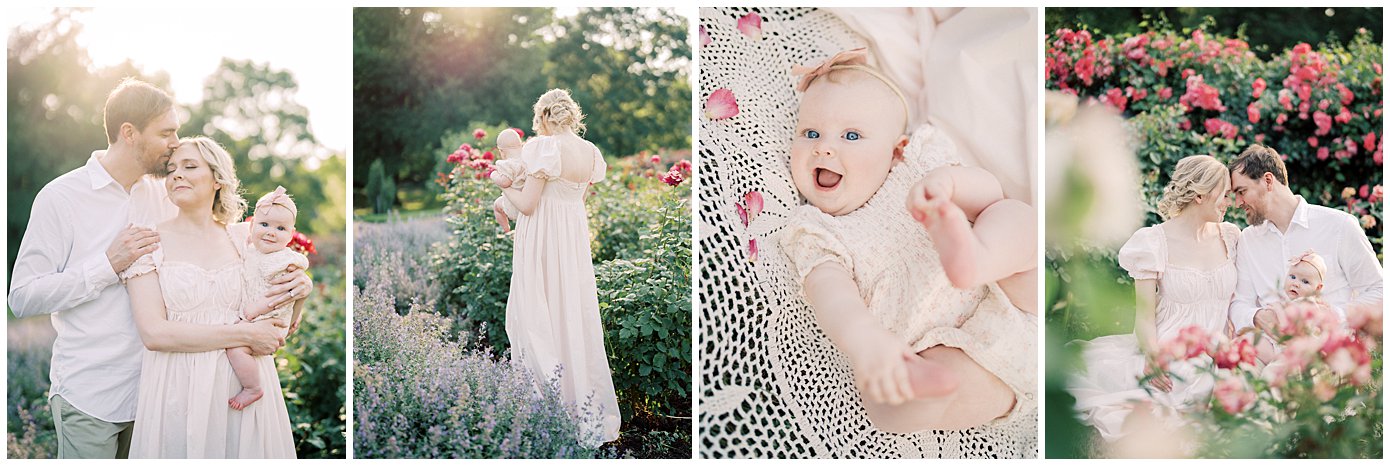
point(1282, 226)
point(85, 227)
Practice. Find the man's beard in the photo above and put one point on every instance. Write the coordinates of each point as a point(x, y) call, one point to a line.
point(153, 165)
point(1254, 216)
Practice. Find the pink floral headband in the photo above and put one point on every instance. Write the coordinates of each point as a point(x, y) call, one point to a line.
point(1313, 259)
point(855, 59)
point(278, 197)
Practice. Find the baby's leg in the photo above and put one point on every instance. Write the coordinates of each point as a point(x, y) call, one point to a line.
point(501, 215)
point(244, 366)
point(1002, 242)
point(981, 397)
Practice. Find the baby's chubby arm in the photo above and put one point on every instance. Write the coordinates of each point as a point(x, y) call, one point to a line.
point(877, 355)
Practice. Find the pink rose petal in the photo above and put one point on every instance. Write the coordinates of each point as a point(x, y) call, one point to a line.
point(751, 25)
point(721, 105)
point(704, 37)
point(753, 201)
point(753, 250)
point(742, 214)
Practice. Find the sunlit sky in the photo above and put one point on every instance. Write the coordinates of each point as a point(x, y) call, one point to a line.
point(315, 44)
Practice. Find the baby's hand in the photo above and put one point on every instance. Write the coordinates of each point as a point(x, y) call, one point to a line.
point(880, 367)
point(502, 181)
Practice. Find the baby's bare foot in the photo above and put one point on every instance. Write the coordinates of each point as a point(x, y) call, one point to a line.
point(245, 397)
point(502, 220)
point(955, 242)
point(930, 379)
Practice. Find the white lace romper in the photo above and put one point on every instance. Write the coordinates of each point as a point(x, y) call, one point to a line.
point(901, 279)
point(259, 269)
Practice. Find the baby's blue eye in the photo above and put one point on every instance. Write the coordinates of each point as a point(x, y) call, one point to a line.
point(812, 134)
point(852, 135)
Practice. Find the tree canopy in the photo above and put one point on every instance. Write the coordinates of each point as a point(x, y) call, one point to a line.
point(420, 73)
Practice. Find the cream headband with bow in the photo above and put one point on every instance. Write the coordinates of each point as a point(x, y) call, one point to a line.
point(1313, 259)
point(278, 197)
point(855, 59)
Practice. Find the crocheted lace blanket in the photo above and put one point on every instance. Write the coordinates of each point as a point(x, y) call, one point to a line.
point(753, 320)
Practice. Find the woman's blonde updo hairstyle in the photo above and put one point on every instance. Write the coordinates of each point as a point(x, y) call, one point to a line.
point(1195, 175)
point(556, 111)
point(227, 204)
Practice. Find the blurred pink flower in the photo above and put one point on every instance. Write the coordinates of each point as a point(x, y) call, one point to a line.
point(1322, 153)
point(1229, 354)
point(1369, 142)
point(1252, 112)
point(1165, 93)
point(1323, 122)
point(488, 156)
point(721, 105)
point(479, 133)
point(1259, 87)
point(656, 158)
point(683, 166)
point(1346, 95)
point(1368, 221)
point(751, 25)
point(519, 132)
point(1233, 395)
point(704, 37)
point(456, 157)
point(1366, 318)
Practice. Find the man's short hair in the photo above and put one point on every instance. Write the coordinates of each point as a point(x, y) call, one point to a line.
point(136, 102)
point(1256, 160)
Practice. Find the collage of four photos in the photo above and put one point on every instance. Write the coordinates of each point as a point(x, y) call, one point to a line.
point(695, 233)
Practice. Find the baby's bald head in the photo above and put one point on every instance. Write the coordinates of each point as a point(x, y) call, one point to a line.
point(508, 140)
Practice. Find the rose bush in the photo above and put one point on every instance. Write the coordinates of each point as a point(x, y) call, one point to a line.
point(1190, 94)
point(640, 228)
point(1317, 396)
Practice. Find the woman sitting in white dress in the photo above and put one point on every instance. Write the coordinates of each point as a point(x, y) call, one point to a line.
point(194, 279)
point(1184, 275)
point(553, 323)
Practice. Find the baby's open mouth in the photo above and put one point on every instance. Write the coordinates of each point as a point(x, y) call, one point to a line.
point(827, 179)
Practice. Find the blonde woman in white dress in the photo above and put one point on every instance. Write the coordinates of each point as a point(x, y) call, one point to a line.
point(194, 278)
point(552, 310)
point(1184, 275)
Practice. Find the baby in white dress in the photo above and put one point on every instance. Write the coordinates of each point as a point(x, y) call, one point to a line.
point(509, 172)
point(266, 256)
point(925, 354)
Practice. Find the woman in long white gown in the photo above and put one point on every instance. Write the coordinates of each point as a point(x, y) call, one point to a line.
point(194, 279)
point(552, 310)
point(1184, 275)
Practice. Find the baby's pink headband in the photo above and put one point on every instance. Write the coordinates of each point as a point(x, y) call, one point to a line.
point(1313, 259)
point(278, 197)
point(856, 59)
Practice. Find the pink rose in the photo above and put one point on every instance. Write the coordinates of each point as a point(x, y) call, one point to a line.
point(479, 133)
point(1369, 142)
point(1252, 112)
point(1165, 93)
point(1323, 122)
point(1347, 96)
point(1233, 395)
point(1322, 153)
point(1259, 87)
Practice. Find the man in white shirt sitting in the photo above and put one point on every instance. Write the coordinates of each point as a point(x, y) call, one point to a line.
point(86, 226)
point(1284, 225)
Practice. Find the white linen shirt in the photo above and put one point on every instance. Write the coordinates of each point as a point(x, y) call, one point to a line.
point(62, 270)
point(1262, 261)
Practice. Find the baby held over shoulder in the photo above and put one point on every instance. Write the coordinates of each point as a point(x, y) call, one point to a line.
point(509, 172)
